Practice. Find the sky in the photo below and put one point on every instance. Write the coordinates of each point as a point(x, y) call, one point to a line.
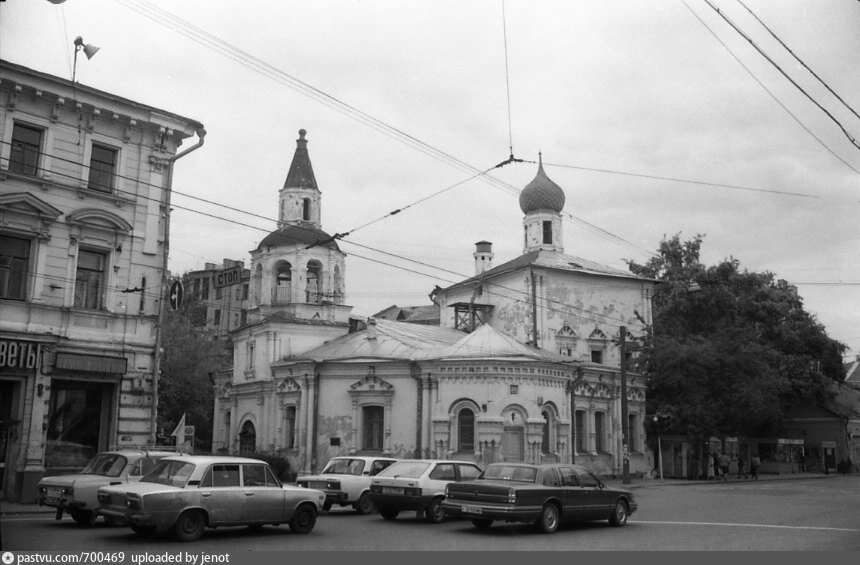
point(656, 118)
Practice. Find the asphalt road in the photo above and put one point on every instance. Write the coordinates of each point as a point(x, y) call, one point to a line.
point(798, 515)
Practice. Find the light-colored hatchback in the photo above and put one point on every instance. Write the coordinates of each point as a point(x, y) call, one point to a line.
point(346, 481)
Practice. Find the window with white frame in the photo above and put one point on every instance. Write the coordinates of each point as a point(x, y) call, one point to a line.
point(14, 266)
point(466, 430)
point(103, 167)
point(90, 279)
point(25, 150)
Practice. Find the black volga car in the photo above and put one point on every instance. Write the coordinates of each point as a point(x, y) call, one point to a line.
point(545, 495)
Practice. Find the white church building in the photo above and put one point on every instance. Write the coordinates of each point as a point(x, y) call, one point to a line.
point(524, 366)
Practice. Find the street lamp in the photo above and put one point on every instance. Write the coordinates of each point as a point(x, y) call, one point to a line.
point(659, 445)
point(89, 50)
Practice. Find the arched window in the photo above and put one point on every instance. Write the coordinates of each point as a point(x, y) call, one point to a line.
point(466, 430)
point(306, 209)
point(372, 427)
point(313, 289)
point(547, 424)
point(283, 282)
point(247, 439)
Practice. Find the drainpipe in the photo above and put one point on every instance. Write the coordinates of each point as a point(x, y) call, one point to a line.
point(156, 370)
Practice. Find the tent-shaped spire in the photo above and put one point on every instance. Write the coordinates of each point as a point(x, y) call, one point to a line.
point(301, 173)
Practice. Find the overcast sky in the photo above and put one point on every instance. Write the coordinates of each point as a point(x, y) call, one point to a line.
point(400, 98)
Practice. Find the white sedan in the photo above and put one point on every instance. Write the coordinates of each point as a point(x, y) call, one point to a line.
point(346, 481)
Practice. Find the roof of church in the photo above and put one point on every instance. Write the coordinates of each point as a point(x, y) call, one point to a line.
point(428, 314)
point(552, 260)
point(304, 234)
point(541, 194)
point(388, 340)
point(301, 174)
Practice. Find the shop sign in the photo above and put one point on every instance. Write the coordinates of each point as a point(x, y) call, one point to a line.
point(16, 355)
point(227, 277)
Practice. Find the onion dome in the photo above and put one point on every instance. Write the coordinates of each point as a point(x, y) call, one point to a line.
point(541, 194)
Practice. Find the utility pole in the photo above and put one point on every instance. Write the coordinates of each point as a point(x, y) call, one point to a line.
point(625, 451)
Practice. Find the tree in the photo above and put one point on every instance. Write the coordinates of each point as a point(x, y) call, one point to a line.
point(189, 357)
point(730, 351)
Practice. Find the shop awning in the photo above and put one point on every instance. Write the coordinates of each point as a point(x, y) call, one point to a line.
point(91, 363)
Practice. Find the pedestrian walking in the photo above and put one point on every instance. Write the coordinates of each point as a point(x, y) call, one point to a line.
point(716, 465)
point(741, 467)
point(755, 462)
point(724, 466)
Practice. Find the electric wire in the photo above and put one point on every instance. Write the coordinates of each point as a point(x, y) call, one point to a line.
point(507, 82)
point(784, 74)
point(769, 92)
point(799, 60)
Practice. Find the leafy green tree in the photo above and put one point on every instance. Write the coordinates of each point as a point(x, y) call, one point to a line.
point(730, 351)
point(189, 356)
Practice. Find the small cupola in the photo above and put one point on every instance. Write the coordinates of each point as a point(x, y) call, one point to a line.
point(542, 202)
point(483, 257)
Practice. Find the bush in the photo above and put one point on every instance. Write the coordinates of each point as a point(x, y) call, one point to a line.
point(280, 465)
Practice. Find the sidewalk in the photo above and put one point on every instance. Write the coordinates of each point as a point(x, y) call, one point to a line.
point(10, 508)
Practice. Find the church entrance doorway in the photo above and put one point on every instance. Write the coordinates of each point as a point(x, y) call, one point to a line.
point(512, 444)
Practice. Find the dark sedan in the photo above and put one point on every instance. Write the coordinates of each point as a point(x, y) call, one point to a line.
point(545, 495)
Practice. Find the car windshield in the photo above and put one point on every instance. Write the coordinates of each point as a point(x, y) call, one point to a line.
point(344, 467)
point(167, 472)
point(510, 473)
point(407, 469)
point(106, 465)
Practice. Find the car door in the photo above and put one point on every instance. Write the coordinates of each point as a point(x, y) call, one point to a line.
point(467, 472)
point(222, 495)
point(592, 507)
point(264, 497)
point(440, 475)
point(574, 497)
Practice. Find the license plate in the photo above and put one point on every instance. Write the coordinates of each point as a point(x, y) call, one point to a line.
point(471, 509)
point(392, 490)
point(53, 494)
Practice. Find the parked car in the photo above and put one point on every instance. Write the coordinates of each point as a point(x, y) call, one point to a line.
point(346, 481)
point(77, 494)
point(418, 484)
point(545, 495)
point(188, 494)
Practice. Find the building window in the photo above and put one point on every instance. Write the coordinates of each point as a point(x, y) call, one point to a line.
point(245, 291)
point(580, 431)
point(102, 168)
point(372, 418)
point(596, 356)
point(250, 363)
point(218, 293)
point(26, 144)
point(306, 209)
point(14, 264)
point(290, 426)
point(90, 280)
point(547, 232)
point(227, 425)
point(77, 423)
point(466, 430)
point(217, 321)
point(283, 283)
point(244, 317)
point(599, 432)
point(632, 436)
point(312, 290)
point(196, 287)
point(547, 423)
point(247, 439)
point(205, 289)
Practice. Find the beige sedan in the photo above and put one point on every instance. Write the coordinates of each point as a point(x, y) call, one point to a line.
point(186, 495)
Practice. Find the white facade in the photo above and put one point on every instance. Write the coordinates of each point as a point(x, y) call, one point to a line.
point(84, 184)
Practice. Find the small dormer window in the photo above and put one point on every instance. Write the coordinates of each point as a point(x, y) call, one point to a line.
point(306, 209)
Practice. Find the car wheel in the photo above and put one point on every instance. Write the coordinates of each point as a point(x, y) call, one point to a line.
point(434, 511)
point(619, 515)
point(143, 530)
point(364, 505)
point(389, 513)
point(304, 519)
point(190, 525)
point(83, 517)
point(547, 522)
point(482, 523)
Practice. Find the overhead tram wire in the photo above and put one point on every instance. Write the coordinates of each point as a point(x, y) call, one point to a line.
point(799, 60)
point(769, 92)
point(740, 32)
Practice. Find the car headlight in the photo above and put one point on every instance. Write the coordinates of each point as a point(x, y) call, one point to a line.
point(132, 502)
point(68, 491)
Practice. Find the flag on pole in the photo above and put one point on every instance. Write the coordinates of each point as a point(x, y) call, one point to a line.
point(179, 431)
